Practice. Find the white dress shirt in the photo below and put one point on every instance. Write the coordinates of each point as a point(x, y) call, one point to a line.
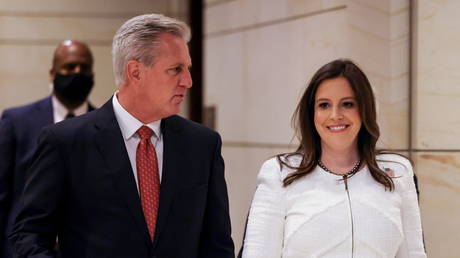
point(60, 111)
point(128, 126)
point(316, 216)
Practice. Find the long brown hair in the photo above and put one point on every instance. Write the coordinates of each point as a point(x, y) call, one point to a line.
point(310, 141)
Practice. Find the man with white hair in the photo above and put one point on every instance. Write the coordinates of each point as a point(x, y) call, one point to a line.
point(131, 179)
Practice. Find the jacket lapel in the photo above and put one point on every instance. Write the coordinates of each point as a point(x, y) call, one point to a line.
point(172, 156)
point(45, 112)
point(110, 143)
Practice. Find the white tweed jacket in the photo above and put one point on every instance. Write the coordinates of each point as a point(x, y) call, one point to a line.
point(316, 216)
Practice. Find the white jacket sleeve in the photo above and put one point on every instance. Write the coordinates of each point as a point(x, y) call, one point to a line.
point(265, 228)
point(412, 245)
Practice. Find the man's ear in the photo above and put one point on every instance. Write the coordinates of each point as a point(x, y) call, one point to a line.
point(133, 71)
point(51, 75)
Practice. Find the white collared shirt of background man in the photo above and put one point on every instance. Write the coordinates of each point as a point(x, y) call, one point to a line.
point(60, 111)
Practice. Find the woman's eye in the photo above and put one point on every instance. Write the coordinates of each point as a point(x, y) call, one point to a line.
point(323, 105)
point(348, 104)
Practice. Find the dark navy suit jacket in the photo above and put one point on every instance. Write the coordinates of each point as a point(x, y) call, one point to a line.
point(19, 131)
point(81, 187)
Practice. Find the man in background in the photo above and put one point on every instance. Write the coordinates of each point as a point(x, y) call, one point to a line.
point(71, 74)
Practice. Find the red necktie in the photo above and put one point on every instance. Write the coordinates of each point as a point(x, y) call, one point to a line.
point(148, 177)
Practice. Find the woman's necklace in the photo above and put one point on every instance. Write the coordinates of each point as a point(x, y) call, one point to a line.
point(344, 176)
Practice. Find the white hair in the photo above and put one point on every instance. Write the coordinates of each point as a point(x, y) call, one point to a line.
point(137, 39)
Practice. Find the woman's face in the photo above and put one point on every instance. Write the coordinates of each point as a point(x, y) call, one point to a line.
point(337, 118)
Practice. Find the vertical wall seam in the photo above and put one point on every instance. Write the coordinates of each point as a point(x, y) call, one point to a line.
point(411, 51)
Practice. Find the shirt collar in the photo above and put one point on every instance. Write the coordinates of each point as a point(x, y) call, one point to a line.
point(128, 123)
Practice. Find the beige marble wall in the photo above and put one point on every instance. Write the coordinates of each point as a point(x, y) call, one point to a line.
point(30, 30)
point(437, 74)
point(439, 179)
point(436, 124)
point(259, 54)
point(380, 45)
point(266, 69)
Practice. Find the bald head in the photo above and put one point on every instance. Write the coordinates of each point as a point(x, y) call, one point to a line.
point(72, 73)
point(72, 56)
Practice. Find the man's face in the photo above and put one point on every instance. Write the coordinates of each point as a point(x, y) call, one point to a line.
point(165, 84)
point(72, 58)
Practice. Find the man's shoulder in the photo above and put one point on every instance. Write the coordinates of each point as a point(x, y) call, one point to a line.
point(179, 123)
point(189, 133)
point(24, 110)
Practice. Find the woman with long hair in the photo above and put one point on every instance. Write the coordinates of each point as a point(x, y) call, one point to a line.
point(336, 195)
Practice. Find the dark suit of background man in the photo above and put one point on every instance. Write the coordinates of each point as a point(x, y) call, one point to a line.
point(72, 77)
point(95, 179)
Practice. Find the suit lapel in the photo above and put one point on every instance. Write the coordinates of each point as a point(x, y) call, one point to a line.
point(172, 156)
point(110, 143)
point(45, 112)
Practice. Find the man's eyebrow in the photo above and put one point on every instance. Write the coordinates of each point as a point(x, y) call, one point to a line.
point(180, 64)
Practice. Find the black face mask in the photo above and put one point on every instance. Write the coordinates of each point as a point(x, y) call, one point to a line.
point(72, 89)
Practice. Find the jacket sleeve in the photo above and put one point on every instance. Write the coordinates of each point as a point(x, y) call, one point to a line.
point(7, 150)
point(265, 227)
point(36, 225)
point(216, 238)
point(412, 246)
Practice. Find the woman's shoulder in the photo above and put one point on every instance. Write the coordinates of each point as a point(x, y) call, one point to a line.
point(399, 164)
point(280, 165)
point(290, 159)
